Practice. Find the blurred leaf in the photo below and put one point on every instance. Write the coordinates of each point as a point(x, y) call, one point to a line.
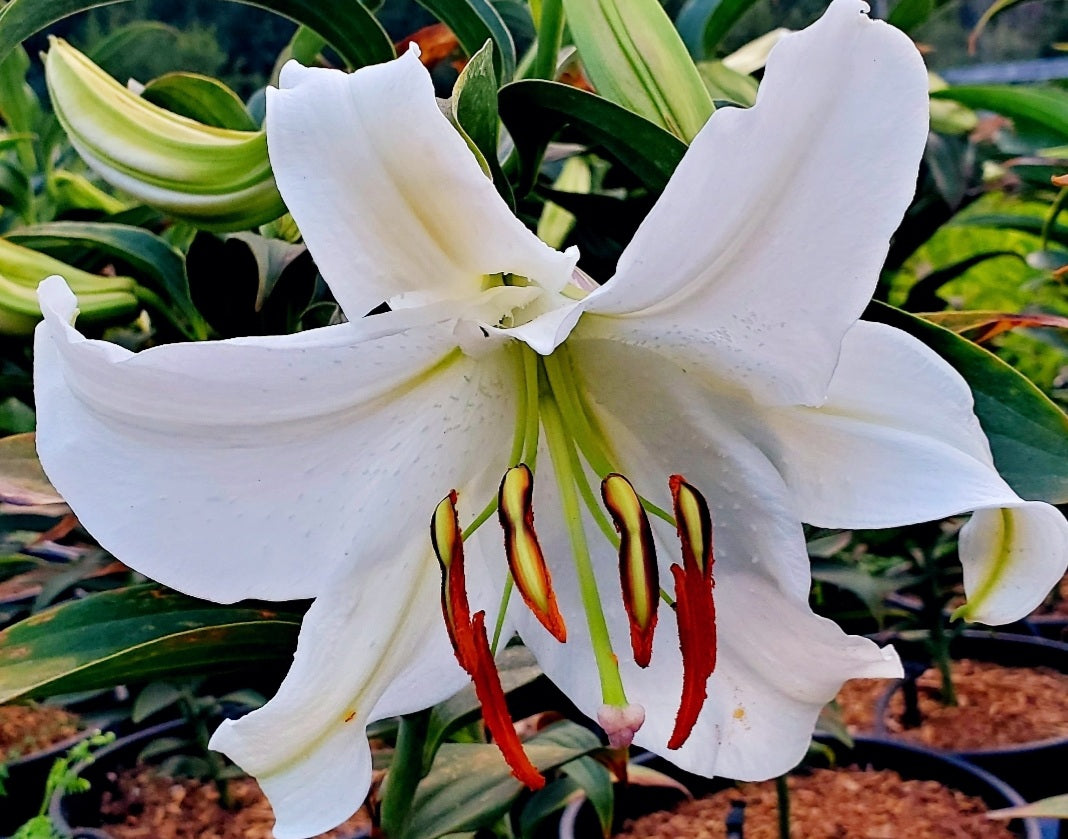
point(993, 323)
point(556, 223)
point(157, 265)
point(474, 22)
point(15, 189)
point(535, 111)
point(19, 105)
point(137, 634)
point(200, 98)
point(870, 589)
point(753, 55)
point(470, 785)
point(645, 776)
point(22, 480)
point(548, 800)
point(703, 23)
point(830, 722)
point(129, 48)
point(924, 292)
point(635, 58)
point(596, 781)
point(1028, 433)
point(1031, 104)
point(347, 25)
point(72, 191)
point(153, 698)
point(16, 417)
point(995, 8)
point(1048, 808)
point(908, 14)
point(516, 666)
point(272, 257)
point(827, 546)
point(726, 84)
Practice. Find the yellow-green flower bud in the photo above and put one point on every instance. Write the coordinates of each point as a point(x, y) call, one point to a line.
point(22, 269)
point(216, 178)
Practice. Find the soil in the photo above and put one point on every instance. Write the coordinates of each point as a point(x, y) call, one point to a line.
point(1056, 605)
point(149, 805)
point(849, 803)
point(25, 729)
point(997, 706)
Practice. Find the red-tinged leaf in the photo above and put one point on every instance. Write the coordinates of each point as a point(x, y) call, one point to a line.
point(991, 324)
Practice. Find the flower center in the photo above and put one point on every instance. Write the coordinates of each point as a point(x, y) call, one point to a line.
point(553, 403)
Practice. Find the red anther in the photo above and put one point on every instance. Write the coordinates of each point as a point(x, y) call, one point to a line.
point(515, 510)
point(695, 606)
point(471, 644)
point(639, 576)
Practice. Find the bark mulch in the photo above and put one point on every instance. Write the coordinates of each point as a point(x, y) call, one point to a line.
point(831, 804)
point(25, 729)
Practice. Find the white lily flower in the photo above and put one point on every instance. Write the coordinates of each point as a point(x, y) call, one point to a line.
point(727, 348)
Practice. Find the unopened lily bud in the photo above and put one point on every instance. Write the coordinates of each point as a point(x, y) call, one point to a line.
point(621, 723)
point(525, 559)
point(216, 178)
point(21, 271)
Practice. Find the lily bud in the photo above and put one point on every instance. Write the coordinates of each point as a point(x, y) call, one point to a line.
point(22, 269)
point(216, 178)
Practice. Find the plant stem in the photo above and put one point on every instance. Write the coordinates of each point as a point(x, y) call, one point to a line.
point(405, 772)
point(940, 652)
point(550, 32)
point(782, 793)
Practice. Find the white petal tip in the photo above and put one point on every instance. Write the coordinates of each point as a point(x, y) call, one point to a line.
point(57, 299)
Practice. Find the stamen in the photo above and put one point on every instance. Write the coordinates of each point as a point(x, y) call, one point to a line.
point(695, 607)
point(525, 558)
point(638, 573)
point(471, 644)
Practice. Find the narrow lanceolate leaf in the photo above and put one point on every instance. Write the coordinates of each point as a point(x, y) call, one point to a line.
point(138, 634)
point(534, 111)
point(1028, 433)
point(216, 178)
point(475, 22)
point(471, 643)
point(695, 608)
point(525, 559)
point(638, 574)
point(198, 97)
point(635, 58)
point(1043, 107)
point(704, 23)
point(347, 25)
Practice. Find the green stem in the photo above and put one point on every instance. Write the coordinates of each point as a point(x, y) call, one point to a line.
point(782, 793)
point(940, 652)
point(531, 424)
point(405, 772)
point(560, 450)
point(550, 35)
point(505, 596)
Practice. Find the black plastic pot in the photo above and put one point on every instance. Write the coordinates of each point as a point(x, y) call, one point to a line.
point(911, 762)
point(1036, 770)
point(78, 815)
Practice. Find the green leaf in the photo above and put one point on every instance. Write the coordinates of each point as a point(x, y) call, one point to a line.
point(470, 785)
point(474, 22)
point(1028, 433)
point(993, 11)
point(19, 105)
point(727, 84)
point(548, 800)
point(137, 634)
point(156, 264)
point(347, 25)
point(272, 257)
point(635, 58)
point(908, 14)
point(1048, 808)
point(202, 98)
point(125, 52)
point(516, 666)
point(535, 111)
point(704, 23)
point(474, 111)
point(22, 479)
point(153, 698)
point(596, 781)
point(1045, 107)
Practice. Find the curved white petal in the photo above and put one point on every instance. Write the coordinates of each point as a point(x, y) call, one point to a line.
point(767, 243)
point(387, 194)
point(373, 646)
point(1012, 558)
point(897, 442)
point(778, 662)
point(260, 467)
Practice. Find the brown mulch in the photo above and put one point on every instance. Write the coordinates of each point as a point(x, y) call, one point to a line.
point(154, 806)
point(25, 729)
point(997, 706)
point(831, 804)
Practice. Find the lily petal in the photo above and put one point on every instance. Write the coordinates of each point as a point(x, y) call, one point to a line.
point(897, 442)
point(367, 650)
point(798, 193)
point(395, 203)
point(260, 467)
